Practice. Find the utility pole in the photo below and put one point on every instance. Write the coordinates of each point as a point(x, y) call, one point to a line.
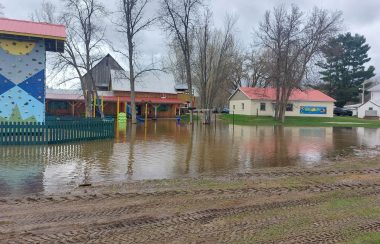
point(363, 90)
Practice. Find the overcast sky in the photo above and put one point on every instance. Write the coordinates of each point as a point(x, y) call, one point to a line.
point(359, 17)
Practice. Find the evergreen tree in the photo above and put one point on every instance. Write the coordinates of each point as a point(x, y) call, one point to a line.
point(343, 71)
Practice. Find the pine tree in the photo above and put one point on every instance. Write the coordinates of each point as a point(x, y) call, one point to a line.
point(343, 71)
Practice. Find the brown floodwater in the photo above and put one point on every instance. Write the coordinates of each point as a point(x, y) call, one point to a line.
point(164, 149)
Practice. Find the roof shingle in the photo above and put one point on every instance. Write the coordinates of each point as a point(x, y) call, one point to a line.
point(310, 95)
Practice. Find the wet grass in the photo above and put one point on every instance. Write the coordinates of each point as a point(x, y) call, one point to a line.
point(301, 121)
point(368, 238)
point(338, 214)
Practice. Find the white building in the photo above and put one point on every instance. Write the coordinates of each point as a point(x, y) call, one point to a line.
point(261, 102)
point(372, 107)
point(354, 108)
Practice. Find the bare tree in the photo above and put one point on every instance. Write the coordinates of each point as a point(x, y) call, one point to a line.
point(214, 52)
point(293, 39)
point(85, 36)
point(132, 22)
point(175, 63)
point(256, 69)
point(237, 73)
point(1, 10)
point(46, 13)
point(179, 18)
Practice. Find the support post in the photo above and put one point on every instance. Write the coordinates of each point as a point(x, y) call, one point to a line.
point(146, 115)
point(233, 117)
point(72, 108)
point(363, 93)
point(102, 104)
point(155, 112)
point(118, 107)
point(215, 120)
point(94, 111)
point(126, 111)
point(85, 108)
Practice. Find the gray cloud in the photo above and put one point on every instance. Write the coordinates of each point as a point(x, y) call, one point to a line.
point(359, 17)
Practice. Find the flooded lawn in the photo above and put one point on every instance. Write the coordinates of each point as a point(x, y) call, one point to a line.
point(164, 149)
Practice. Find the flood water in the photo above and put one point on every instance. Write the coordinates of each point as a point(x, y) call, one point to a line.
point(164, 149)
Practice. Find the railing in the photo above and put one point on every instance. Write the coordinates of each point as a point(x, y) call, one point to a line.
point(55, 131)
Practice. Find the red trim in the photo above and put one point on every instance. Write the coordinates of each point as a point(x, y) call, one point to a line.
point(71, 97)
point(144, 99)
point(32, 28)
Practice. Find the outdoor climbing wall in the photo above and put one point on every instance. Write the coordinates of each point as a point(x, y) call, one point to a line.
point(22, 81)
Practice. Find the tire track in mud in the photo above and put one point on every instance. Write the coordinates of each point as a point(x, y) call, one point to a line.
point(333, 236)
point(204, 216)
point(235, 191)
point(307, 173)
point(78, 215)
point(98, 230)
point(188, 231)
point(222, 194)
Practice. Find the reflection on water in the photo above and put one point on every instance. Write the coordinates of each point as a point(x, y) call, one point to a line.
point(166, 150)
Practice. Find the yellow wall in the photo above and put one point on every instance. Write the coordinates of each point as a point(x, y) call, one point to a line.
point(252, 107)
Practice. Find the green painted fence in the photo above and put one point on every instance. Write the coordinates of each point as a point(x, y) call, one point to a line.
point(55, 131)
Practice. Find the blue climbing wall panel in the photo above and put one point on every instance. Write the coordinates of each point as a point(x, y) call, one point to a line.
point(22, 81)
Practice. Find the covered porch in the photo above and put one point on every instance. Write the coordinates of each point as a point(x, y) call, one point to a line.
point(65, 104)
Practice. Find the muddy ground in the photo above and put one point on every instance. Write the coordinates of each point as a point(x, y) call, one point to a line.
point(334, 203)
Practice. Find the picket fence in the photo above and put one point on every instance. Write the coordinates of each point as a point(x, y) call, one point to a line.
point(55, 131)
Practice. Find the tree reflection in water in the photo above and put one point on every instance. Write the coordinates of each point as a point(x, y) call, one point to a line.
point(164, 149)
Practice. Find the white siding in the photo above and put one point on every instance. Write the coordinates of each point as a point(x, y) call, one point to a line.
point(365, 107)
point(253, 108)
point(375, 95)
point(236, 106)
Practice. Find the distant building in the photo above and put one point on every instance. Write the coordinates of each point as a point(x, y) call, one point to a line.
point(184, 95)
point(353, 108)
point(262, 101)
point(112, 85)
point(371, 109)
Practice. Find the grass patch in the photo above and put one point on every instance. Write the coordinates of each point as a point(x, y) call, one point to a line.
point(301, 121)
point(273, 232)
point(343, 203)
point(369, 238)
point(338, 206)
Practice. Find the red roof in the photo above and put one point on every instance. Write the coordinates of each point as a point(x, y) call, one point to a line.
point(145, 99)
point(309, 95)
point(29, 28)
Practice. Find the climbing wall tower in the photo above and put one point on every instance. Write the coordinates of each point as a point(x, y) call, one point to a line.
point(23, 46)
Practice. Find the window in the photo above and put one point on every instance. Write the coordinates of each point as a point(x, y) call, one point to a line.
point(163, 108)
point(289, 107)
point(242, 106)
point(262, 106)
point(370, 108)
point(58, 105)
